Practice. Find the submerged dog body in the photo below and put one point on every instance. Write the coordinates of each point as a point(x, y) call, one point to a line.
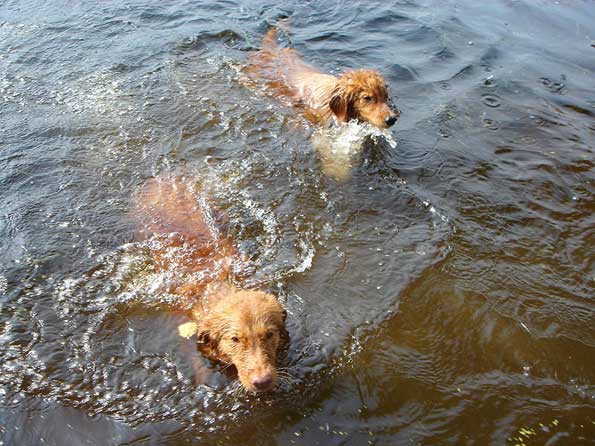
point(245, 328)
point(356, 95)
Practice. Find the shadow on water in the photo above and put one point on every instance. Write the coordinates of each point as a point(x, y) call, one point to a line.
point(439, 289)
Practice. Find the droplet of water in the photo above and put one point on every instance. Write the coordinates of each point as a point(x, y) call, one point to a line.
point(545, 81)
point(490, 82)
point(491, 100)
point(490, 124)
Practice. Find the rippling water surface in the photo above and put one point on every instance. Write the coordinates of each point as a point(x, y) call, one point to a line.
point(440, 290)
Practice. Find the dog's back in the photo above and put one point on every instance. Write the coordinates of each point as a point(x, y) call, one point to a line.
point(170, 211)
point(168, 204)
point(287, 74)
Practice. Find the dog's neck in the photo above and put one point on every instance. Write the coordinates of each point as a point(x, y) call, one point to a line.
point(313, 89)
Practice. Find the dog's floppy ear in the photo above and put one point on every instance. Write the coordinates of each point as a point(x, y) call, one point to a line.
point(342, 105)
point(207, 343)
point(283, 334)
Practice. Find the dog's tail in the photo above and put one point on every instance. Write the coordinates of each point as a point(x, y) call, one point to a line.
point(270, 39)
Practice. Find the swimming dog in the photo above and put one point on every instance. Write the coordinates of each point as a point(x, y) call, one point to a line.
point(360, 95)
point(234, 326)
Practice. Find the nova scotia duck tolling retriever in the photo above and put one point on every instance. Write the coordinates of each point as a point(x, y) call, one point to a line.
point(360, 95)
point(240, 327)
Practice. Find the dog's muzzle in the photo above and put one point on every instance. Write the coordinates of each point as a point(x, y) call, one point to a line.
point(391, 120)
point(395, 113)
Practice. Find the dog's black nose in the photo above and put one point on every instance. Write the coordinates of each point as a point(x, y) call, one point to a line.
point(390, 120)
point(263, 382)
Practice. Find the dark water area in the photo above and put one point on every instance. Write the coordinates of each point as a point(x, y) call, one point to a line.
point(443, 294)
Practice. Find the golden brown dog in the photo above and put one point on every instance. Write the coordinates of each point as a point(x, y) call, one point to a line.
point(245, 328)
point(358, 94)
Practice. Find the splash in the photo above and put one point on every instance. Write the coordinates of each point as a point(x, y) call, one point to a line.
point(257, 225)
point(340, 147)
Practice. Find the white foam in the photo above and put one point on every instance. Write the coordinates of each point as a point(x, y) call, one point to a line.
point(340, 147)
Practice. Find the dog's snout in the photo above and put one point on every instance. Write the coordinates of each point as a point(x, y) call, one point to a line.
point(262, 382)
point(391, 120)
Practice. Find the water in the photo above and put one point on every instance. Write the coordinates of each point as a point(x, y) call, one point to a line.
point(439, 290)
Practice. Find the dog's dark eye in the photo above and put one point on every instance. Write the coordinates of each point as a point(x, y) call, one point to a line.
point(235, 339)
point(269, 334)
point(368, 98)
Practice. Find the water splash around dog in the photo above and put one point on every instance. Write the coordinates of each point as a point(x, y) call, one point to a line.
point(340, 147)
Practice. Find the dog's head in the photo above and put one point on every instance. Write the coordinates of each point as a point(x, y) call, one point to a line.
point(363, 95)
point(246, 329)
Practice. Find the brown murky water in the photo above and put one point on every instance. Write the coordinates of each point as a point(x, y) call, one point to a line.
point(441, 293)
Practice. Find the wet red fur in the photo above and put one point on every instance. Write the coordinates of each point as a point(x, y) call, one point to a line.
point(245, 328)
point(357, 94)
